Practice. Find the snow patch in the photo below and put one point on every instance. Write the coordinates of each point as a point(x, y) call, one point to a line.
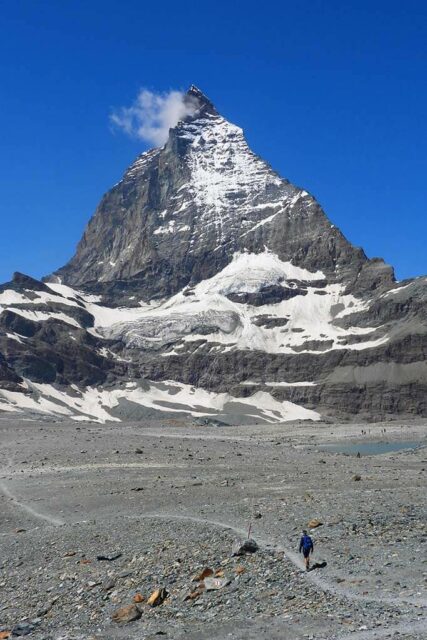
point(249, 272)
point(96, 404)
point(209, 316)
point(38, 316)
point(13, 336)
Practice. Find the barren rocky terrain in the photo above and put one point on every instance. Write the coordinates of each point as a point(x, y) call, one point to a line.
point(95, 518)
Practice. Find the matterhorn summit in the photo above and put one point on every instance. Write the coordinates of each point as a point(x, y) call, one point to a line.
point(205, 284)
point(182, 211)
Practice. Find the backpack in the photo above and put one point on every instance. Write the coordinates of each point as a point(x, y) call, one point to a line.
point(307, 543)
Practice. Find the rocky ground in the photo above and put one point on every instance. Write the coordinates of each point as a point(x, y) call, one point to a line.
point(95, 518)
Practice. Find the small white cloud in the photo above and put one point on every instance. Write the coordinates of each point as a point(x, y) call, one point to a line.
point(151, 115)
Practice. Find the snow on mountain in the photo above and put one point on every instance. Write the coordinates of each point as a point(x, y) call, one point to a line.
point(204, 313)
point(95, 403)
point(225, 176)
point(181, 212)
point(250, 272)
point(207, 313)
point(100, 405)
point(206, 284)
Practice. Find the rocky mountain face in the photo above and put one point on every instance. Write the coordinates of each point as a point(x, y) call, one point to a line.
point(207, 284)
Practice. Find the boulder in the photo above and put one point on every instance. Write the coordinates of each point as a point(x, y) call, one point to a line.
point(138, 597)
point(213, 584)
point(314, 523)
point(157, 597)
point(202, 575)
point(22, 629)
point(126, 614)
point(241, 548)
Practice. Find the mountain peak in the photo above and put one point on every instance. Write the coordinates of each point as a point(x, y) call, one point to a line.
point(194, 96)
point(199, 199)
point(204, 267)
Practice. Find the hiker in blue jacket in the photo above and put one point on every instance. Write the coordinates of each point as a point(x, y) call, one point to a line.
point(306, 547)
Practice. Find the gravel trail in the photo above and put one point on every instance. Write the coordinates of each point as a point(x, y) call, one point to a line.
point(172, 503)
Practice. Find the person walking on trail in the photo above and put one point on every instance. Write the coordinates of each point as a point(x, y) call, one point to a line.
point(306, 546)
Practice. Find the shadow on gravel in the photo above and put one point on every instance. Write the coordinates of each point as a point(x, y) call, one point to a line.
point(318, 565)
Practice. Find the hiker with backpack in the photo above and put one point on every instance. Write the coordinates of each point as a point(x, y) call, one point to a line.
point(306, 547)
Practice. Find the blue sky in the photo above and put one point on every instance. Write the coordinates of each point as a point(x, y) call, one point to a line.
point(332, 94)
